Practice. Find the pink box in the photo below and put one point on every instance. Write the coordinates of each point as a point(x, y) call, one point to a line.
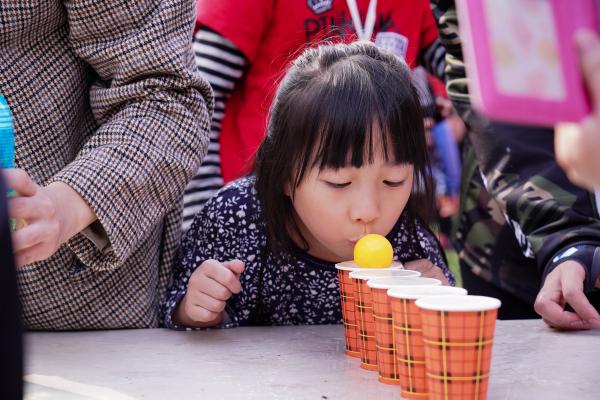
point(521, 58)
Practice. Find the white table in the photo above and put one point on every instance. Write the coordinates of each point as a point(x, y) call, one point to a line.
point(530, 361)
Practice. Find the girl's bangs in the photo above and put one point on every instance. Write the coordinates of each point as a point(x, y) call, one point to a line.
point(348, 121)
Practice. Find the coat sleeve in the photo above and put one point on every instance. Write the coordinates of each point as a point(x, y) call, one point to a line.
point(153, 110)
point(225, 229)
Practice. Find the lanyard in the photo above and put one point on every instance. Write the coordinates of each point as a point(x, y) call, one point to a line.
point(363, 32)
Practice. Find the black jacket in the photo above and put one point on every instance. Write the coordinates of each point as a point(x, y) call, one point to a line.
point(11, 362)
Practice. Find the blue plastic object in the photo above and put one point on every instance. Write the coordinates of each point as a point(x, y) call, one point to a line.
point(7, 136)
point(447, 152)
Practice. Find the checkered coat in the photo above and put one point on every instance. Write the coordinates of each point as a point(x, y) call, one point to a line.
point(106, 98)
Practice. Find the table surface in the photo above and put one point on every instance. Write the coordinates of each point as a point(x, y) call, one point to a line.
point(530, 361)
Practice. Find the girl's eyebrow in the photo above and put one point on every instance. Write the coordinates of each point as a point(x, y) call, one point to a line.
point(397, 163)
point(331, 169)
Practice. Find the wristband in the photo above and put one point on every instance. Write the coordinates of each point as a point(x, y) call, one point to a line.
point(587, 255)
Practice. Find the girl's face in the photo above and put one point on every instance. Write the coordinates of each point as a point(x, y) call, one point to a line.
point(335, 208)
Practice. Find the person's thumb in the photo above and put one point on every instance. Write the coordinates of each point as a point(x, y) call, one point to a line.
point(235, 266)
point(588, 45)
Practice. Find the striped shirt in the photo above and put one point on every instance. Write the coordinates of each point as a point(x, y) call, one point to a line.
point(222, 65)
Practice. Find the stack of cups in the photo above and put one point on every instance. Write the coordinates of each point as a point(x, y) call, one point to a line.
point(367, 315)
point(434, 341)
point(408, 338)
point(382, 316)
point(347, 299)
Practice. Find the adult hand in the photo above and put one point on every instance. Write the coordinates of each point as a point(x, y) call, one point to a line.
point(448, 206)
point(444, 106)
point(209, 288)
point(577, 146)
point(565, 285)
point(52, 215)
point(427, 269)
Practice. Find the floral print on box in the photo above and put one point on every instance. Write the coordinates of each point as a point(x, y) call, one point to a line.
point(523, 43)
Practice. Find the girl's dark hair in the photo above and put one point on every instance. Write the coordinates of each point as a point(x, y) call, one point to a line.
point(328, 110)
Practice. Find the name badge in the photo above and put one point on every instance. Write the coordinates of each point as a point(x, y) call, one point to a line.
point(393, 42)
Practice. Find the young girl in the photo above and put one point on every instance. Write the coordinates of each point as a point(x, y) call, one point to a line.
point(344, 149)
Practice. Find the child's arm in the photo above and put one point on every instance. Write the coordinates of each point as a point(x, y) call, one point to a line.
point(202, 288)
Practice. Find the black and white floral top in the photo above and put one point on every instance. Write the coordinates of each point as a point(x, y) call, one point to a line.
point(277, 289)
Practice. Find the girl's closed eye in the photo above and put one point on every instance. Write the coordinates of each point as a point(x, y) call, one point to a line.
point(337, 185)
point(394, 183)
point(335, 179)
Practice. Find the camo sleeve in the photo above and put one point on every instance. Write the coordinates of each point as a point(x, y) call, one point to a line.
point(545, 211)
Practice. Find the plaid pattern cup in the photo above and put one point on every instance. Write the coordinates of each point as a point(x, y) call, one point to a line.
point(408, 338)
point(458, 332)
point(347, 299)
point(382, 316)
point(364, 311)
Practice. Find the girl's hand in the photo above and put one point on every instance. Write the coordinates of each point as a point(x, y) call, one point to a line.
point(427, 270)
point(209, 288)
point(52, 215)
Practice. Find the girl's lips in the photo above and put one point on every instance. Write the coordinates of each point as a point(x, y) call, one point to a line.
point(357, 239)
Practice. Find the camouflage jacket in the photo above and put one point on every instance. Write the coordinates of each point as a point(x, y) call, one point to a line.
point(518, 209)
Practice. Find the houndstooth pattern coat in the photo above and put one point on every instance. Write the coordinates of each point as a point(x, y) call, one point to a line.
point(106, 98)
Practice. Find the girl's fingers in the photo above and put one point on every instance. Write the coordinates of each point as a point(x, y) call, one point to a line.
point(221, 274)
point(235, 266)
point(203, 300)
point(207, 285)
point(421, 266)
point(427, 270)
point(200, 314)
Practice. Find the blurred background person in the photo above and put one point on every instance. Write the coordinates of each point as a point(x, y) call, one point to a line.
point(444, 131)
point(526, 234)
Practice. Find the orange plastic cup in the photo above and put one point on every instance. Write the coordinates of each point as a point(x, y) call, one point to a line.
point(458, 332)
point(348, 303)
point(382, 315)
point(408, 338)
point(364, 311)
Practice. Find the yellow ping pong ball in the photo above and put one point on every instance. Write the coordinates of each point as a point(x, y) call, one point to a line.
point(373, 251)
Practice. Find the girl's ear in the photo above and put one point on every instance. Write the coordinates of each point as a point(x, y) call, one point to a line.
point(287, 189)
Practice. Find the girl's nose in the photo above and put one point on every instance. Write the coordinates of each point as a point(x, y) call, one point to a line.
point(365, 208)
